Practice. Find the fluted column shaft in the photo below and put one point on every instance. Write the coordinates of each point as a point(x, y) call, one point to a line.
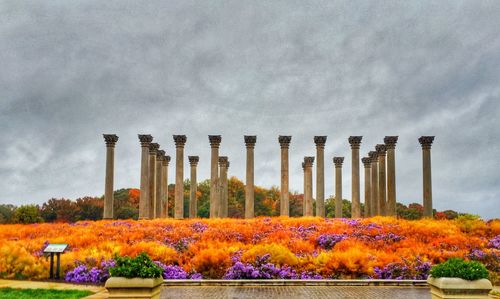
point(426, 142)
point(180, 141)
point(159, 191)
point(284, 191)
point(153, 147)
point(110, 140)
point(355, 142)
point(320, 175)
point(338, 186)
point(368, 168)
point(308, 163)
point(215, 141)
point(390, 143)
point(375, 209)
point(144, 196)
point(164, 181)
point(249, 187)
point(223, 165)
point(382, 195)
point(193, 201)
point(304, 188)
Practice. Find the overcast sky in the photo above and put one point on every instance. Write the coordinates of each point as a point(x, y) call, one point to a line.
point(72, 70)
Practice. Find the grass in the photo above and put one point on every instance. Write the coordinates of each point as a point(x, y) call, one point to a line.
point(10, 293)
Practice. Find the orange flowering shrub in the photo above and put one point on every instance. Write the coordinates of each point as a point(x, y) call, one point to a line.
point(291, 247)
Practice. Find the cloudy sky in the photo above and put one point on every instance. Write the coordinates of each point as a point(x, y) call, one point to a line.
point(70, 71)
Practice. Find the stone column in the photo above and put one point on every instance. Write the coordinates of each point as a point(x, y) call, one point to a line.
point(308, 164)
point(374, 184)
point(367, 162)
point(338, 186)
point(304, 188)
point(320, 175)
point(390, 143)
point(164, 182)
point(153, 148)
point(160, 155)
point(144, 196)
point(284, 192)
point(355, 142)
point(382, 195)
point(249, 188)
point(223, 165)
point(180, 141)
point(110, 140)
point(193, 202)
point(426, 142)
point(214, 173)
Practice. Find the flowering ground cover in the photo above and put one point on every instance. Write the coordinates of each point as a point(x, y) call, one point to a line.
point(280, 247)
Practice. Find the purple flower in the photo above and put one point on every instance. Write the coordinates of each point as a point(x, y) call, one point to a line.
point(328, 241)
point(176, 272)
point(199, 227)
point(404, 270)
point(495, 242)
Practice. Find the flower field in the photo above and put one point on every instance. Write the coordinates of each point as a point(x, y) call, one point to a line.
point(280, 247)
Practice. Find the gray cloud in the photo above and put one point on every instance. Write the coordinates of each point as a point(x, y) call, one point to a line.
point(72, 71)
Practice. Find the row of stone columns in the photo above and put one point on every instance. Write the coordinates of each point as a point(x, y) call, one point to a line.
point(380, 178)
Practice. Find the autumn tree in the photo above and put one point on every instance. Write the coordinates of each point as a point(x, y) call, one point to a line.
point(27, 214)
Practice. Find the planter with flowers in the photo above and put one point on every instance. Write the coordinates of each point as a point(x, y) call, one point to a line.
point(457, 278)
point(136, 277)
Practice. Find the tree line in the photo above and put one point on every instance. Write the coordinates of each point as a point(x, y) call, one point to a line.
point(126, 205)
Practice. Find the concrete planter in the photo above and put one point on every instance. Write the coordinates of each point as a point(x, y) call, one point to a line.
point(451, 287)
point(121, 287)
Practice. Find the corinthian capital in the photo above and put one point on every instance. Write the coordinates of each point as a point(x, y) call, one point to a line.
point(180, 140)
point(250, 140)
point(284, 141)
point(367, 162)
point(193, 160)
point(153, 148)
point(373, 156)
point(338, 161)
point(390, 141)
point(223, 161)
point(426, 141)
point(308, 161)
point(110, 139)
point(381, 150)
point(355, 141)
point(145, 140)
point(320, 141)
point(160, 155)
point(214, 140)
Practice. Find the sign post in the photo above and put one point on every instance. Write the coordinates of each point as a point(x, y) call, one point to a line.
point(56, 249)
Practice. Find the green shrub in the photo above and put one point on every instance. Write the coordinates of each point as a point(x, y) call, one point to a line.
point(141, 266)
point(27, 214)
point(456, 267)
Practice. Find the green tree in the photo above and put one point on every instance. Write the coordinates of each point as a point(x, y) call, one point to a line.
point(330, 208)
point(27, 214)
point(6, 213)
point(89, 208)
point(59, 210)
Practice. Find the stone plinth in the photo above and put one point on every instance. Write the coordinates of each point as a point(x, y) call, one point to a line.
point(452, 287)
